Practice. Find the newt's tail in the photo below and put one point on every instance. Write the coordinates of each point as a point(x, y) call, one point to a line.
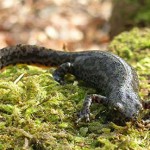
point(35, 55)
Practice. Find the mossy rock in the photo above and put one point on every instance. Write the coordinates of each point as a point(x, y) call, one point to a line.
point(127, 14)
point(129, 45)
point(38, 113)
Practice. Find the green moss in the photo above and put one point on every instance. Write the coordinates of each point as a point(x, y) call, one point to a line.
point(130, 44)
point(38, 113)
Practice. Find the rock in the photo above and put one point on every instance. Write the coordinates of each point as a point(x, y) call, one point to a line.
point(127, 14)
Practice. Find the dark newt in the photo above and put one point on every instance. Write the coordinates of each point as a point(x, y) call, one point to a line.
point(106, 72)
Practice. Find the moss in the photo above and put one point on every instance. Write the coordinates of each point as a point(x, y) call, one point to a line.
point(130, 44)
point(38, 113)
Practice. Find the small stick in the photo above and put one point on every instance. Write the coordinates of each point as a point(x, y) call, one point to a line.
point(19, 78)
point(64, 47)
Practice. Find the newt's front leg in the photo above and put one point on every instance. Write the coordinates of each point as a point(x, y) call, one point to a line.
point(94, 98)
point(59, 74)
point(61, 71)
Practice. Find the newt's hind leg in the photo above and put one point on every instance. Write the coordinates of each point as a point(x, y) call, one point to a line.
point(94, 98)
point(61, 71)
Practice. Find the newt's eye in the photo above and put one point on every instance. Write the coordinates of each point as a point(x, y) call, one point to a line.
point(119, 107)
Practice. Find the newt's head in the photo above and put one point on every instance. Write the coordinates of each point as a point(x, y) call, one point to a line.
point(127, 103)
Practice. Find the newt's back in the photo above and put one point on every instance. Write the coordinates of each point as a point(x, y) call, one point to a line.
point(104, 71)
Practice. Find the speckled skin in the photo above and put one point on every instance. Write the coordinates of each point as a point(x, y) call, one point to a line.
point(110, 75)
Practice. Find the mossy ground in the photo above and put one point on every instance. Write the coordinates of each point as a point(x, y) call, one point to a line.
point(38, 113)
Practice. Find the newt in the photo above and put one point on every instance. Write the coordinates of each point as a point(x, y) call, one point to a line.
point(109, 74)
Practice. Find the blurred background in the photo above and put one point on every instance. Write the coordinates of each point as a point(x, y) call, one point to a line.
point(69, 24)
point(75, 25)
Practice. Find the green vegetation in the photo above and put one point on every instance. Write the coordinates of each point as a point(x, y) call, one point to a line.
point(38, 113)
